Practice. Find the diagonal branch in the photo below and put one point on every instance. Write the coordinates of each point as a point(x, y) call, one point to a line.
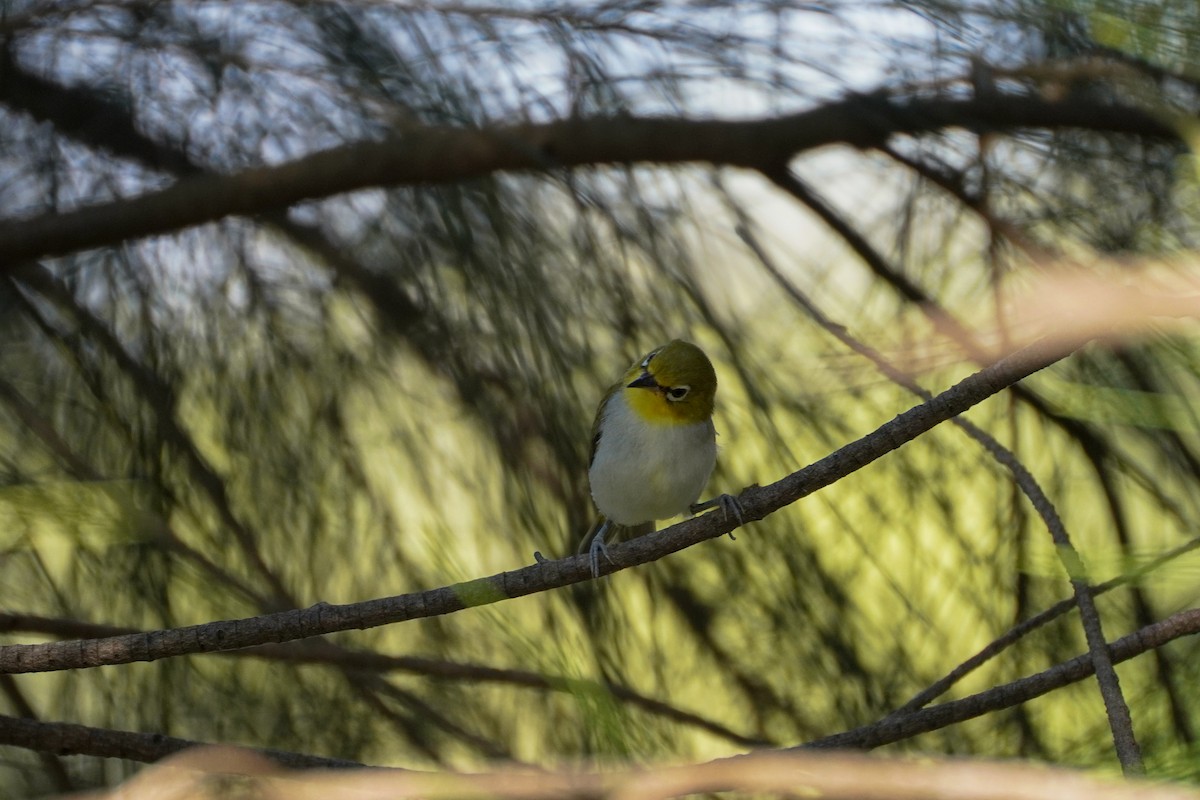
point(904, 726)
point(757, 502)
point(347, 659)
point(84, 114)
point(1025, 627)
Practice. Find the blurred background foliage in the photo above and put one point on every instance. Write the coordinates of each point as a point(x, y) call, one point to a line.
point(392, 390)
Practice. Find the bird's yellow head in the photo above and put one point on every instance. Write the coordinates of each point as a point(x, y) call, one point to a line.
point(673, 385)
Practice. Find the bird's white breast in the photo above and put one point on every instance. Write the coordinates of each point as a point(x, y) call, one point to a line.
point(643, 471)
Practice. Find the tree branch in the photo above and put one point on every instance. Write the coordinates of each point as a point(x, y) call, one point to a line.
point(431, 155)
point(65, 738)
point(1093, 446)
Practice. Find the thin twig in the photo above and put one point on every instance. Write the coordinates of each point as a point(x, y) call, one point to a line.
point(160, 397)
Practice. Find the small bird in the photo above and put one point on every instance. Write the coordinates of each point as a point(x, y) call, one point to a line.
point(654, 445)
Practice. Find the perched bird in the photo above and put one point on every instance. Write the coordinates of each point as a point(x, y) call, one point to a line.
point(654, 445)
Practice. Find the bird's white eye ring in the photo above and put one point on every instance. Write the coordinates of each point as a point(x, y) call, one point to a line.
point(649, 358)
point(677, 393)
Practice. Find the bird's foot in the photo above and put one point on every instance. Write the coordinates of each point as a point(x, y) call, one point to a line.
point(597, 549)
point(730, 506)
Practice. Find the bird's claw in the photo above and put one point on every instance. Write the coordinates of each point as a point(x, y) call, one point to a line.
point(597, 549)
point(730, 507)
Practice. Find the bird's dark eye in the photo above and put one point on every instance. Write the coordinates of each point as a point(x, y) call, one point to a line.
point(677, 393)
point(646, 361)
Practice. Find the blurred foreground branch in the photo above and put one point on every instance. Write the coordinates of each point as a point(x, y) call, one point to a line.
point(809, 774)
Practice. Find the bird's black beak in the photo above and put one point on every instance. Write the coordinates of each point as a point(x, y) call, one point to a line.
point(644, 381)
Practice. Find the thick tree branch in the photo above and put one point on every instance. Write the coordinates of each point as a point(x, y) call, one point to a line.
point(429, 155)
point(323, 618)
